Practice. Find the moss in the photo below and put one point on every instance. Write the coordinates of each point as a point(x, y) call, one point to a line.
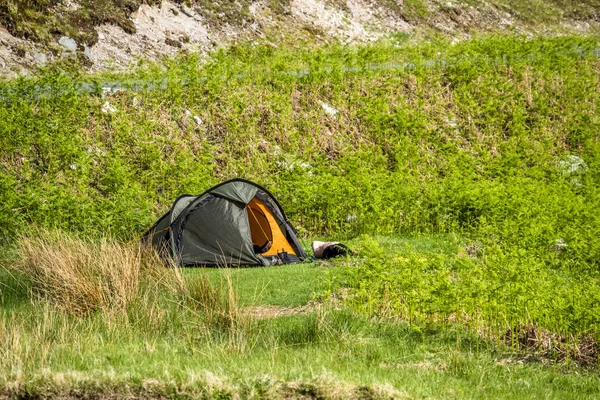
point(46, 20)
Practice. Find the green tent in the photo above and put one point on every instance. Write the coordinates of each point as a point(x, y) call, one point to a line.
point(235, 223)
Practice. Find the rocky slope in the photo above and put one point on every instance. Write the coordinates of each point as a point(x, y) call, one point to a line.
point(116, 33)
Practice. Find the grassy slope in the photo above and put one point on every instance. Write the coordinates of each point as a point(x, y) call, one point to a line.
point(459, 150)
point(408, 138)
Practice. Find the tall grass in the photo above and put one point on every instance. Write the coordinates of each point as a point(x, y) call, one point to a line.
point(217, 303)
point(84, 276)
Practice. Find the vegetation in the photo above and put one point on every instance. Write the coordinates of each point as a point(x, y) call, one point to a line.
point(466, 174)
point(199, 342)
point(45, 21)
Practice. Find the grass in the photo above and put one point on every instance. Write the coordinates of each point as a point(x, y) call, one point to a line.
point(170, 345)
point(272, 286)
point(85, 276)
point(476, 230)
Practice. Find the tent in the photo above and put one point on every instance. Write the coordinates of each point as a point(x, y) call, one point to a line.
point(234, 223)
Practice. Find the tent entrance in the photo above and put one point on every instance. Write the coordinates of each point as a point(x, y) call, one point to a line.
point(267, 237)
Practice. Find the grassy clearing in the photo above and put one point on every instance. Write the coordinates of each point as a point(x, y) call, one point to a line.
point(272, 286)
point(169, 343)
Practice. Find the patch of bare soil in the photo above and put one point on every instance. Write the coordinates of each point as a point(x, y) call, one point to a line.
point(265, 312)
point(160, 31)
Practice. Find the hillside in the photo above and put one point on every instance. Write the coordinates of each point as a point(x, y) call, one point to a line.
point(461, 162)
point(116, 33)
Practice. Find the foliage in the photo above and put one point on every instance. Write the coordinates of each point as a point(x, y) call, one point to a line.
point(161, 346)
point(463, 146)
point(486, 288)
point(493, 140)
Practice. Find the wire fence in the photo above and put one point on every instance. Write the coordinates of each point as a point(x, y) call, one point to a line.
point(46, 92)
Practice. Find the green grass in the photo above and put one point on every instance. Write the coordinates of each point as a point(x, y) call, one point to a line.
point(288, 285)
point(324, 353)
point(296, 285)
point(450, 181)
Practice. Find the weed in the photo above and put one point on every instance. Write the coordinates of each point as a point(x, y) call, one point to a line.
point(217, 304)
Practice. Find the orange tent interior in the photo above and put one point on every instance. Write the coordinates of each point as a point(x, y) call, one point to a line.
point(264, 228)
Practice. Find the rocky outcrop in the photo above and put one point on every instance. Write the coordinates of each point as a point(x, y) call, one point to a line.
point(152, 32)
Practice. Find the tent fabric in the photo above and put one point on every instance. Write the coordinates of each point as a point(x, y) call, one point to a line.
point(180, 204)
point(234, 223)
point(279, 242)
point(236, 191)
point(217, 234)
point(260, 227)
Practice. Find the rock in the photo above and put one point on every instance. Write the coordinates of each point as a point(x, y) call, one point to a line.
point(560, 245)
point(573, 167)
point(87, 52)
point(68, 43)
point(107, 108)
point(572, 164)
point(328, 109)
point(40, 58)
point(198, 120)
point(96, 150)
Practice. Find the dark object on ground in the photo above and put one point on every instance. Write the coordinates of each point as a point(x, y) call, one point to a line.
point(327, 250)
point(235, 223)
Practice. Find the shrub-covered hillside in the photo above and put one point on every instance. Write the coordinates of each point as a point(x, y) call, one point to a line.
point(385, 138)
point(465, 174)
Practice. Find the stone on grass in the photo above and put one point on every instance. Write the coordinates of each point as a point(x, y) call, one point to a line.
point(68, 43)
point(107, 108)
point(328, 109)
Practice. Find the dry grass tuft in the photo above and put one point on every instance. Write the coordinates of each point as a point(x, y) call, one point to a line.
point(217, 303)
point(583, 348)
point(84, 276)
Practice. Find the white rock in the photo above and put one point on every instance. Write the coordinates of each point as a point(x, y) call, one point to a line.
point(107, 108)
point(572, 164)
point(328, 109)
point(96, 150)
point(87, 51)
point(73, 166)
point(198, 120)
point(68, 43)
point(40, 58)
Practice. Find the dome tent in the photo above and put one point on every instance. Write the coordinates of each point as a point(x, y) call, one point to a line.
point(236, 223)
